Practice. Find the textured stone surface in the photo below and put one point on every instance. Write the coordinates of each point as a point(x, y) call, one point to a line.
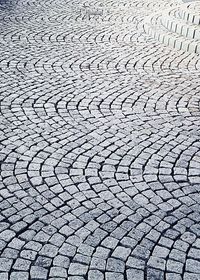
point(177, 27)
point(99, 144)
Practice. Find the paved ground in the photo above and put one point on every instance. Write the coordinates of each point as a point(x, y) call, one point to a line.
point(100, 145)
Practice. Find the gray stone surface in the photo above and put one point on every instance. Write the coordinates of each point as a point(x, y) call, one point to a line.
point(99, 145)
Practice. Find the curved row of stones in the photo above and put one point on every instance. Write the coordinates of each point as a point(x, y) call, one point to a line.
point(99, 145)
point(177, 27)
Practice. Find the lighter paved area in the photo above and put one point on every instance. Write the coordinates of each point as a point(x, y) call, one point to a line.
point(100, 144)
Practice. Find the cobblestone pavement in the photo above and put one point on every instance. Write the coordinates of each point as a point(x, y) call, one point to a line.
point(100, 145)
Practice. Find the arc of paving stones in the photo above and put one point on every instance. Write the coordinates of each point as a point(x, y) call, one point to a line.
point(70, 224)
point(177, 27)
point(114, 265)
point(99, 155)
point(80, 269)
point(91, 62)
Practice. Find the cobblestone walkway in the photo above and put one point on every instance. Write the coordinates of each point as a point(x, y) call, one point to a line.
point(100, 144)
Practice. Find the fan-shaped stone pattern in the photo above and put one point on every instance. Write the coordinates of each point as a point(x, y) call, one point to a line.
point(99, 144)
point(178, 27)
